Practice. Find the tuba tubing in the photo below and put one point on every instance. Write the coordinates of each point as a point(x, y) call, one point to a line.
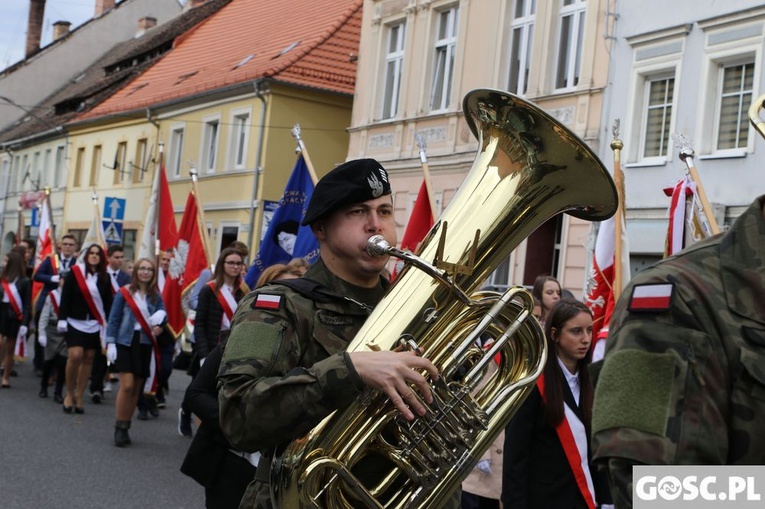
point(528, 168)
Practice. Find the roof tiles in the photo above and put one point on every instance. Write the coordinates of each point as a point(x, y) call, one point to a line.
point(303, 42)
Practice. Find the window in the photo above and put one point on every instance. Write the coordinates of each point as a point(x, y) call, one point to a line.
point(16, 174)
point(522, 33)
point(24, 171)
point(120, 168)
point(141, 162)
point(46, 167)
point(79, 161)
point(58, 167)
point(176, 150)
point(210, 145)
point(94, 165)
point(129, 243)
point(656, 136)
point(443, 67)
point(394, 62)
point(34, 175)
point(736, 82)
point(570, 44)
point(239, 135)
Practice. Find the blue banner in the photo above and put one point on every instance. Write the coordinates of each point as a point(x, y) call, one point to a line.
point(285, 239)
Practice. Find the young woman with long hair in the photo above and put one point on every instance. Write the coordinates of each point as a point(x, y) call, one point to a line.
point(218, 301)
point(547, 453)
point(135, 321)
point(15, 306)
point(86, 299)
point(547, 290)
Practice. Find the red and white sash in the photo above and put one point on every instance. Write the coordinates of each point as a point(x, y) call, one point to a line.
point(55, 299)
point(569, 429)
point(141, 313)
point(14, 298)
point(227, 302)
point(89, 290)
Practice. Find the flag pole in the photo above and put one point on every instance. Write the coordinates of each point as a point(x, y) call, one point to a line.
point(302, 150)
point(157, 243)
point(97, 218)
point(426, 174)
point(710, 223)
point(616, 146)
point(20, 227)
point(200, 212)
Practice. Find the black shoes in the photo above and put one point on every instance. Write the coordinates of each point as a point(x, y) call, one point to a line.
point(57, 398)
point(121, 437)
point(96, 397)
point(142, 415)
point(43, 393)
point(184, 424)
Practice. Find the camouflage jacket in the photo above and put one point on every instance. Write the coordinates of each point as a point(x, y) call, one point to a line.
point(285, 368)
point(684, 383)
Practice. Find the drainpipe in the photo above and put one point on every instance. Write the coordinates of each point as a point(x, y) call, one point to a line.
point(261, 89)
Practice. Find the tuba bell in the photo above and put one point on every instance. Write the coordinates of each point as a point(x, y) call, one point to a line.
point(529, 168)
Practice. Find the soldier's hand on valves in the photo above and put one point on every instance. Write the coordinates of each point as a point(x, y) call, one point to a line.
point(392, 372)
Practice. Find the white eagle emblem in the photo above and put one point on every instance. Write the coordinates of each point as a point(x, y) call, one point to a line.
point(375, 185)
point(178, 261)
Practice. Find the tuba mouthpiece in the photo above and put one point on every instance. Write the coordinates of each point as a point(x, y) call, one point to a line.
point(377, 245)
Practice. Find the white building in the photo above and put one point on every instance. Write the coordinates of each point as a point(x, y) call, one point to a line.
point(686, 68)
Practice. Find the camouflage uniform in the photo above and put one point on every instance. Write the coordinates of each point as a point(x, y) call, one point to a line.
point(686, 384)
point(286, 369)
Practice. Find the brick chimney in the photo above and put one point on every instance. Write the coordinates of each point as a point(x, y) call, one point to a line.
point(144, 24)
point(34, 26)
point(102, 6)
point(60, 29)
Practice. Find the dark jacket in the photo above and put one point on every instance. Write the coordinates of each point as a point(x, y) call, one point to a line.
point(24, 286)
point(73, 304)
point(43, 275)
point(208, 320)
point(536, 473)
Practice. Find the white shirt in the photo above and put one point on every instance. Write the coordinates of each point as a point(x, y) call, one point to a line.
point(572, 379)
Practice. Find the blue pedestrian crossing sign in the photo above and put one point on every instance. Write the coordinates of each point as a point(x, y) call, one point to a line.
point(114, 215)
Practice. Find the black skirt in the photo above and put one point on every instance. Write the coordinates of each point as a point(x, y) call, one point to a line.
point(135, 358)
point(9, 324)
point(85, 340)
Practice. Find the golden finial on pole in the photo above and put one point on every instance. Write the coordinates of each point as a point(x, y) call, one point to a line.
point(616, 146)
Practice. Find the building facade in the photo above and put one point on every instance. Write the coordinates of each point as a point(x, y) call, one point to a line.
point(686, 78)
point(421, 57)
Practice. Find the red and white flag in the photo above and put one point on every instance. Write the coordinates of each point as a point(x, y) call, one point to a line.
point(599, 290)
point(677, 215)
point(420, 222)
point(44, 247)
point(159, 230)
point(189, 260)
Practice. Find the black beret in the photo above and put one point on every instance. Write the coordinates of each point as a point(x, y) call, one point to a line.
point(352, 182)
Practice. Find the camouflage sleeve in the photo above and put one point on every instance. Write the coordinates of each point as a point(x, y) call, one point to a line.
point(265, 397)
point(661, 394)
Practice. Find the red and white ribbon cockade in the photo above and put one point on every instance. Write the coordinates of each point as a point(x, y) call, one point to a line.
point(89, 291)
point(141, 313)
point(573, 438)
point(227, 302)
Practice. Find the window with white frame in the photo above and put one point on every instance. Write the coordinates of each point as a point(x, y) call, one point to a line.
point(655, 138)
point(120, 166)
point(176, 150)
point(240, 128)
point(34, 174)
point(570, 43)
point(521, 36)
point(394, 63)
point(140, 162)
point(736, 82)
point(46, 167)
point(58, 167)
point(210, 144)
point(445, 50)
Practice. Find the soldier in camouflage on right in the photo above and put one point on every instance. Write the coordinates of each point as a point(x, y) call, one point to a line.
point(683, 380)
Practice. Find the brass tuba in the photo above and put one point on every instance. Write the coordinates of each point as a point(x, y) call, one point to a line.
point(754, 115)
point(528, 169)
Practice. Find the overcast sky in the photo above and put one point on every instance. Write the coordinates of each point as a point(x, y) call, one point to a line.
point(13, 24)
